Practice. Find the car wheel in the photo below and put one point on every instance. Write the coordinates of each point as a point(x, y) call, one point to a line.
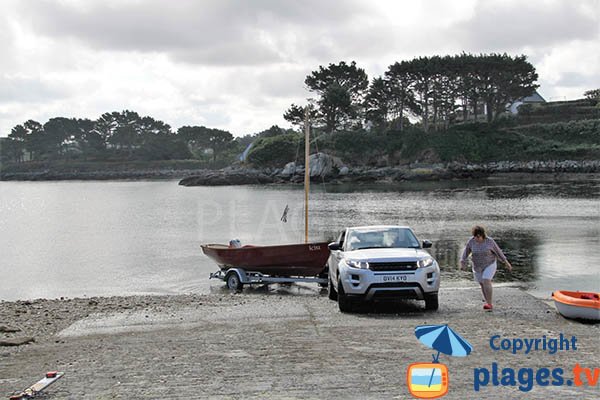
point(331, 293)
point(344, 303)
point(233, 281)
point(431, 302)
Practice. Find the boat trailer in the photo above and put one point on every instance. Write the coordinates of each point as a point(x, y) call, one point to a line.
point(236, 278)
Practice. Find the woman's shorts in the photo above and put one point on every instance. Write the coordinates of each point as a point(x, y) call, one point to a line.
point(487, 273)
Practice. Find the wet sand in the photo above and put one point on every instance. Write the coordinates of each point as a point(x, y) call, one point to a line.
point(283, 342)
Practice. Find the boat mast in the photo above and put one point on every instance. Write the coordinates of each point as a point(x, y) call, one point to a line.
point(306, 170)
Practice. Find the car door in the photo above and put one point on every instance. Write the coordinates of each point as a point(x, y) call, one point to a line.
point(336, 256)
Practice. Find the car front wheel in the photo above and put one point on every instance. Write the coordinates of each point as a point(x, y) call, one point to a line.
point(331, 292)
point(431, 302)
point(344, 302)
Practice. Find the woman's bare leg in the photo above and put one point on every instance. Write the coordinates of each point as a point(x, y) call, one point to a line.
point(486, 287)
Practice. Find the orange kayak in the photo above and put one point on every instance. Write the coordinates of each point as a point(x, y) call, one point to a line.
point(579, 305)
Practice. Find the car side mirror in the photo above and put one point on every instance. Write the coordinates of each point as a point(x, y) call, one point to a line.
point(333, 246)
point(427, 244)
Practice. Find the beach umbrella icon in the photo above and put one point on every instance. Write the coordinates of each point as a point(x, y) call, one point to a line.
point(443, 339)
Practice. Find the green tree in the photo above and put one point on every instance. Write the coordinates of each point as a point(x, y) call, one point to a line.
point(201, 138)
point(341, 89)
point(219, 141)
point(89, 140)
point(36, 142)
point(401, 91)
point(593, 94)
point(196, 137)
point(294, 115)
point(126, 125)
point(15, 146)
point(272, 131)
point(503, 79)
point(422, 75)
point(61, 133)
point(378, 103)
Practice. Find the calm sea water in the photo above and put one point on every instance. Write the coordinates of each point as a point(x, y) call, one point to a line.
point(121, 238)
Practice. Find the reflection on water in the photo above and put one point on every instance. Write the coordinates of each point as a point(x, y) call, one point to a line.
point(518, 246)
point(118, 238)
point(489, 188)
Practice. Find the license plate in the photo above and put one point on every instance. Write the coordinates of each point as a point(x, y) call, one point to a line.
point(395, 278)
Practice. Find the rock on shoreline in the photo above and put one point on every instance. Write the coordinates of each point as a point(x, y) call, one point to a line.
point(327, 169)
point(49, 175)
point(411, 172)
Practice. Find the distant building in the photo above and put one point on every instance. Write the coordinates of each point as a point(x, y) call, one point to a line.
point(535, 98)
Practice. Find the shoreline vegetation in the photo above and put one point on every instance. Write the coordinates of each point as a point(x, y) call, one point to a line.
point(430, 118)
point(190, 174)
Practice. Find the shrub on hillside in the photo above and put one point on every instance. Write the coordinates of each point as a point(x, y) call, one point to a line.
point(584, 107)
point(276, 151)
point(581, 131)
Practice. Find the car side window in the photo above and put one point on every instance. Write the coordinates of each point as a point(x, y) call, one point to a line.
point(341, 239)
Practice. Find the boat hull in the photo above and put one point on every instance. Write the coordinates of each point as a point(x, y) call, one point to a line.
point(307, 259)
point(577, 305)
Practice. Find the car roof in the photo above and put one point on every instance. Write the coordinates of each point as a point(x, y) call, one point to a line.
point(371, 227)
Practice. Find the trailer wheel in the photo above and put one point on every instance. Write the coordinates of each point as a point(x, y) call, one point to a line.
point(233, 281)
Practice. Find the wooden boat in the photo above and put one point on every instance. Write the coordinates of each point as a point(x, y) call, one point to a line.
point(306, 259)
point(577, 305)
point(287, 260)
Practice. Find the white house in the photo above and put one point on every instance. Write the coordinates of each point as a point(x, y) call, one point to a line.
point(535, 98)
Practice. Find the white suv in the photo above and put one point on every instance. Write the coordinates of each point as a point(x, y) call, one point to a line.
point(381, 262)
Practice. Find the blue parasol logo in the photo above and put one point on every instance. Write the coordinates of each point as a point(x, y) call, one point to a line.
point(431, 380)
point(443, 339)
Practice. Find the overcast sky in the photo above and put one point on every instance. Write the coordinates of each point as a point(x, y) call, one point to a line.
point(238, 65)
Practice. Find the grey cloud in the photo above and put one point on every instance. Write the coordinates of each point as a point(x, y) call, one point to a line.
point(499, 26)
point(198, 100)
point(246, 53)
point(27, 90)
point(207, 32)
point(575, 79)
point(6, 43)
point(283, 83)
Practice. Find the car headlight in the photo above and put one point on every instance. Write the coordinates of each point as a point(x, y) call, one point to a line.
point(357, 264)
point(426, 262)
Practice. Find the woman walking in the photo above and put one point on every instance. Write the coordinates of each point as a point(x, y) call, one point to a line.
point(484, 252)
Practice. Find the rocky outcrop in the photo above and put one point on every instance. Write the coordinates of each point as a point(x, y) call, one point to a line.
point(228, 176)
point(323, 165)
point(49, 175)
point(325, 169)
point(289, 169)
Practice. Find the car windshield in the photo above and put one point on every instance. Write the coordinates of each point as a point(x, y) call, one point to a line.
point(376, 238)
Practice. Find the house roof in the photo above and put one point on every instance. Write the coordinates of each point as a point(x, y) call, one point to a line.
point(534, 98)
